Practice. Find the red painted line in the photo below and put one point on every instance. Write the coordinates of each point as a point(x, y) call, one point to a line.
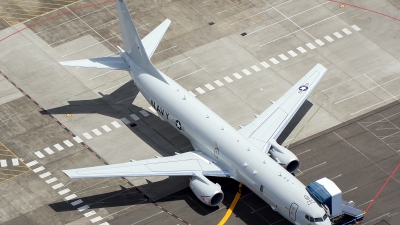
point(369, 10)
point(380, 190)
point(56, 16)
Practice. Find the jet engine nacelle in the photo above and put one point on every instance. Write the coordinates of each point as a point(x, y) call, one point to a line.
point(206, 191)
point(284, 157)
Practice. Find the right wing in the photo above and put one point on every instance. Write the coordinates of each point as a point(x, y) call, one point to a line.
point(185, 164)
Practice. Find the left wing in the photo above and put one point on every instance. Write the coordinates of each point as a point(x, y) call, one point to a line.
point(185, 164)
point(270, 124)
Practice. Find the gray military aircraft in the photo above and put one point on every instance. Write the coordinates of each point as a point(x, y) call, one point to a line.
point(249, 155)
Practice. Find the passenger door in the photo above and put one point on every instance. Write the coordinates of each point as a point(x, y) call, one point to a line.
point(293, 210)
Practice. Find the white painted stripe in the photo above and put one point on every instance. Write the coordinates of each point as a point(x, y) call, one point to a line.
point(209, 87)
point(44, 175)
point(15, 161)
point(264, 64)
point(310, 46)
point(91, 213)
point(38, 169)
point(283, 57)
point(346, 31)
point(355, 27)
point(219, 83)
point(49, 181)
point(39, 154)
point(255, 68)
point(107, 128)
point(134, 117)
point(63, 192)
point(274, 61)
point(77, 139)
point(49, 151)
point(201, 91)
point(3, 163)
point(337, 35)
point(247, 72)
point(116, 124)
point(77, 202)
point(68, 143)
point(97, 132)
point(237, 76)
point(70, 197)
point(30, 164)
point(94, 220)
point(301, 49)
point(80, 209)
point(57, 186)
point(228, 79)
point(328, 38)
point(105, 223)
point(144, 113)
point(125, 120)
point(58, 147)
point(292, 53)
point(87, 136)
point(153, 110)
point(192, 94)
point(319, 42)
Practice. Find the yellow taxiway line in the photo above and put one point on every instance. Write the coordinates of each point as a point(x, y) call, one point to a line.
point(232, 206)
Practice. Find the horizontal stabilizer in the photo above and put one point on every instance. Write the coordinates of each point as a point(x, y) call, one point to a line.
point(151, 41)
point(110, 63)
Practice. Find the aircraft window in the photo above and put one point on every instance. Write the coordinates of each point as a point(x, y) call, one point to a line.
point(261, 188)
point(309, 218)
point(319, 219)
point(325, 216)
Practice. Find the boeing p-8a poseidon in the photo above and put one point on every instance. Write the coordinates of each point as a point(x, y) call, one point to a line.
point(249, 155)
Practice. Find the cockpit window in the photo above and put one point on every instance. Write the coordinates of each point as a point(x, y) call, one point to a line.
point(319, 219)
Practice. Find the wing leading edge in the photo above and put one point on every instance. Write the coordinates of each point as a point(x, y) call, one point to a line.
point(270, 124)
point(185, 164)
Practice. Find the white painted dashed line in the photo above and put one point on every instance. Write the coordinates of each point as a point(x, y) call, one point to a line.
point(63, 192)
point(292, 53)
point(44, 175)
point(200, 90)
point(337, 35)
point(319, 42)
point(247, 72)
point(3, 163)
point(57, 186)
point(77, 139)
point(355, 27)
point(58, 147)
point(107, 128)
point(91, 213)
point(194, 95)
point(49, 151)
point(328, 38)
point(96, 219)
point(133, 116)
point(37, 170)
point(82, 208)
point(219, 83)
point(68, 143)
point(77, 202)
point(264, 64)
point(283, 57)
point(115, 124)
point(310, 46)
point(228, 79)
point(274, 61)
point(255, 68)
point(30, 164)
point(301, 49)
point(144, 113)
point(153, 110)
point(15, 161)
point(69, 197)
point(97, 132)
point(49, 181)
point(209, 87)
point(237, 76)
point(346, 31)
point(105, 223)
point(39, 154)
point(124, 120)
point(87, 136)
